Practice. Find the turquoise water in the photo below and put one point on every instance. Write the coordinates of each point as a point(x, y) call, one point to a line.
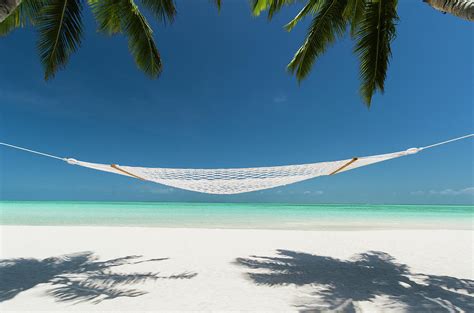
point(238, 215)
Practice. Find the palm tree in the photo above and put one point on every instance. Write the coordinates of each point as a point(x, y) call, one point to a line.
point(60, 27)
point(372, 25)
point(460, 8)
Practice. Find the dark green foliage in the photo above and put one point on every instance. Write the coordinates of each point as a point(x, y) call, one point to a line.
point(59, 27)
point(326, 26)
point(354, 12)
point(273, 6)
point(24, 14)
point(10, 23)
point(312, 7)
point(163, 10)
point(107, 14)
point(374, 35)
point(114, 16)
point(140, 39)
point(60, 32)
point(218, 4)
point(372, 24)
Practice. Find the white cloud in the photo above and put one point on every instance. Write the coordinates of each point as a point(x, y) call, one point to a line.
point(156, 190)
point(163, 191)
point(451, 192)
point(445, 192)
point(280, 99)
point(315, 192)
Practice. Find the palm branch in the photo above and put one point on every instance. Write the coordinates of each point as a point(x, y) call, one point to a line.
point(24, 14)
point(60, 33)
point(375, 33)
point(327, 25)
point(10, 23)
point(108, 15)
point(273, 6)
point(354, 13)
point(312, 7)
point(114, 16)
point(140, 39)
point(372, 23)
point(163, 10)
point(218, 4)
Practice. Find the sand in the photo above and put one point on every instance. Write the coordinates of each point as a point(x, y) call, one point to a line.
point(118, 269)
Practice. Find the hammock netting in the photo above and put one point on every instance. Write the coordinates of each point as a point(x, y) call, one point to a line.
point(238, 180)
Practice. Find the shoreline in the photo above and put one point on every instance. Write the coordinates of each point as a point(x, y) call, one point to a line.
point(470, 204)
point(327, 229)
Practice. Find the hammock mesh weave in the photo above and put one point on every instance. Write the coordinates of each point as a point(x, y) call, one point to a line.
point(239, 180)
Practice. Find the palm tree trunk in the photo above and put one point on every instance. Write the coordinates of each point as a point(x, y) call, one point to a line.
point(7, 7)
point(460, 8)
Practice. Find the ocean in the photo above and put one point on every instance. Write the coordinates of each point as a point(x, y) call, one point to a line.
point(238, 215)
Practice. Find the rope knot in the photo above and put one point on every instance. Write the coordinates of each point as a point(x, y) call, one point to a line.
point(71, 161)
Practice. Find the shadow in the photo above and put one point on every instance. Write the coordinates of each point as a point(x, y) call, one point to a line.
point(338, 285)
point(79, 277)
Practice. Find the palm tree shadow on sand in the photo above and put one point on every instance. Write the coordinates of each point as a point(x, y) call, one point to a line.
point(78, 277)
point(337, 285)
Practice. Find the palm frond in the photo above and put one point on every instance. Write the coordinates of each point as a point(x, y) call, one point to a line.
point(140, 39)
point(273, 6)
point(10, 23)
point(277, 5)
point(218, 4)
point(258, 6)
point(107, 14)
point(163, 10)
point(354, 12)
point(312, 7)
point(29, 10)
point(24, 14)
point(60, 32)
point(326, 26)
point(374, 36)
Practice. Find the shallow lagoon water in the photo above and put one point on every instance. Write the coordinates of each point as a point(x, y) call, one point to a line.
point(238, 215)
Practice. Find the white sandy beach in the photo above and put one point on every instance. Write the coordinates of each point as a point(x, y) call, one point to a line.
point(157, 269)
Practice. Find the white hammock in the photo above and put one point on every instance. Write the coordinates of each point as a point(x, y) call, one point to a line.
point(238, 180)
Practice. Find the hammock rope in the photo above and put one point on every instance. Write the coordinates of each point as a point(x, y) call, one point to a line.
point(238, 180)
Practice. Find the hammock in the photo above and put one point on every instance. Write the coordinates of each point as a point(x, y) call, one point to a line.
point(238, 180)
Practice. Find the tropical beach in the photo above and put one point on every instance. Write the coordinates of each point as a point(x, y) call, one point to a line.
point(210, 265)
point(236, 156)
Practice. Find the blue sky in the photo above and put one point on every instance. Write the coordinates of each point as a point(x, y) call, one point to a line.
point(224, 99)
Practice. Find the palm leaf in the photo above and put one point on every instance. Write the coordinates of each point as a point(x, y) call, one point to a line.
point(374, 35)
point(140, 39)
point(276, 6)
point(60, 32)
point(258, 6)
point(354, 12)
point(107, 14)
point(326, 26)
point(273, 6)
point(312, 7)
point(163, 10)
point(10, 23)
point(24, 14)
point(218, 4)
